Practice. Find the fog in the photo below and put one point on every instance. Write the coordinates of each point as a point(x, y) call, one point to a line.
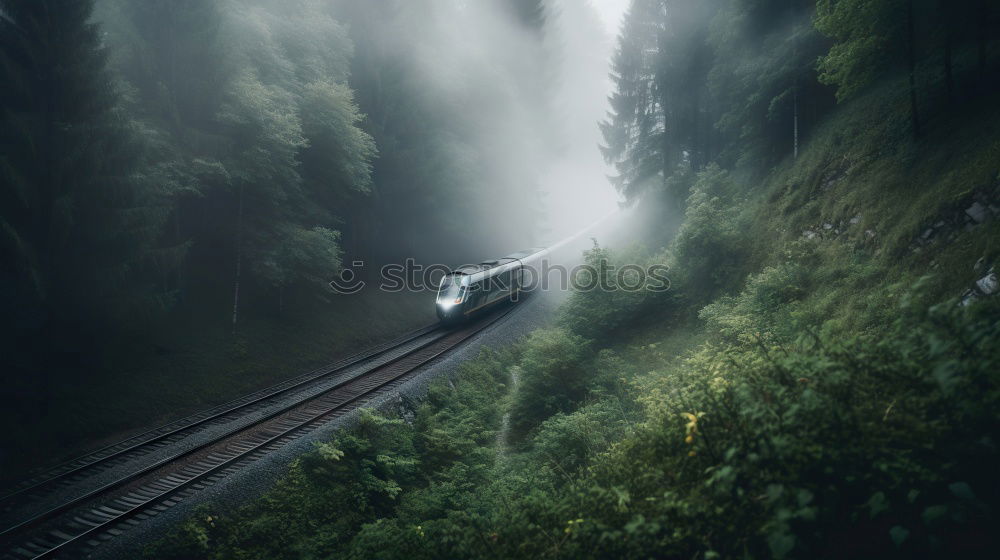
point(526, 97)
point(575, 179)
point(182, 176)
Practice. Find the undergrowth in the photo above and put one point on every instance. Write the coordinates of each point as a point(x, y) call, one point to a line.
point(789, 396)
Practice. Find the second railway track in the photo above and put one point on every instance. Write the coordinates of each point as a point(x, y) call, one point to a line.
point(86, 519)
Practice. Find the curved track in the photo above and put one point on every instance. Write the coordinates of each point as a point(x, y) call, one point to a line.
point(138, 478)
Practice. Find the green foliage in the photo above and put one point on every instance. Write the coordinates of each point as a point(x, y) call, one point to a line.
point(869, 35)
point(310, 256)
point(339, 153)
point(353, 479)
point(827, 403)
point(614, 289)
point(458, 419)
point(260, 134)
point(797, 442)
point(634, 133)
point(554, 376)
point(766, 304)
point(764, 76)
point(711, 242)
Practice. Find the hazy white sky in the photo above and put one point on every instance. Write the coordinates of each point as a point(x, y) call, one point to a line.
point(610, 12)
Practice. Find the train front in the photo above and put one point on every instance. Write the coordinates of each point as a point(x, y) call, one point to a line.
point(451, 296)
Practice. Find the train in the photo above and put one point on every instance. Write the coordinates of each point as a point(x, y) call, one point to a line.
point(473, 288)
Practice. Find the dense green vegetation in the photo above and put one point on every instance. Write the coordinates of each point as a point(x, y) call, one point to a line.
point(180, 179)
point(808, 387)
point(754, 433)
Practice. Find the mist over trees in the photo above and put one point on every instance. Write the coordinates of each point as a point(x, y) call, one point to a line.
point(228, 156)
point(745, 82)
point(819, 380)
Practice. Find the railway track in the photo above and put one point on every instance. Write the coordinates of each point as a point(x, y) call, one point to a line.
point(125, 484)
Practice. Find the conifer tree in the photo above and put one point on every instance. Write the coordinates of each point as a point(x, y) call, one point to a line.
point(73, 220)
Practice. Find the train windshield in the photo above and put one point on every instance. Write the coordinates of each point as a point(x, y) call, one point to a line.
point(450, 291)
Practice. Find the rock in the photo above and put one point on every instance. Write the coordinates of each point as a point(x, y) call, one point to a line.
point(927, 234)
point(856, 219)
point(968, 298)
point(809, 234)
point(977, 212)
point(988, 284)
point(869, 233)
point(827, 226)
point(939, 224)
point(979, 264)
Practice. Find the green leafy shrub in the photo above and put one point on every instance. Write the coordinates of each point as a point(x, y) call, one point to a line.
point(459, 417)
point(555, 376)
point(710, 249)
point(621, 296)
point(865, 446)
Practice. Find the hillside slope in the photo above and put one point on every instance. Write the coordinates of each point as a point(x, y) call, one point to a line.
point(811, 385)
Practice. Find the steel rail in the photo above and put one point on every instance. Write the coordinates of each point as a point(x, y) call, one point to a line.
point(67, 505)
point(95, 459)
point(183, 482)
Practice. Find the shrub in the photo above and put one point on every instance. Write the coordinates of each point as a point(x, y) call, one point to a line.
point(555, 377)
point(710, 250)
point(601, 312)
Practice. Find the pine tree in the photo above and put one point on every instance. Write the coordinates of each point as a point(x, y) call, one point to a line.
point(635, 131)
point(72, 219)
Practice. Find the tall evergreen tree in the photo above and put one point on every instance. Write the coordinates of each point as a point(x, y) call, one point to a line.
point(635, 132)
point(72, 218)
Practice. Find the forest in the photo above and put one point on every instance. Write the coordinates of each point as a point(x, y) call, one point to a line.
point(182, 179)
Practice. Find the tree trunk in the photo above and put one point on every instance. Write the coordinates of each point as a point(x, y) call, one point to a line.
point(239, 261)
point(948, 80)
point(795, 119)
point(911, 64)
point(982, 39)
point(696, 153)
point(795, 86)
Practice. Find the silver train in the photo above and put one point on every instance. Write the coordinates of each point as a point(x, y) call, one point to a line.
point(470, 289)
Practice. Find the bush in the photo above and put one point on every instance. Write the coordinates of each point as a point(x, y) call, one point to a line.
point(603, 311)
point(868, 446)
point(710, 250)
point(554, 376)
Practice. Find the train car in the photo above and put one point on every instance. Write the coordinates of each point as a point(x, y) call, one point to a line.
point(470, 289)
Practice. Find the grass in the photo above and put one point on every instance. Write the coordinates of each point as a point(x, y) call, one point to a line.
point(863, 162)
